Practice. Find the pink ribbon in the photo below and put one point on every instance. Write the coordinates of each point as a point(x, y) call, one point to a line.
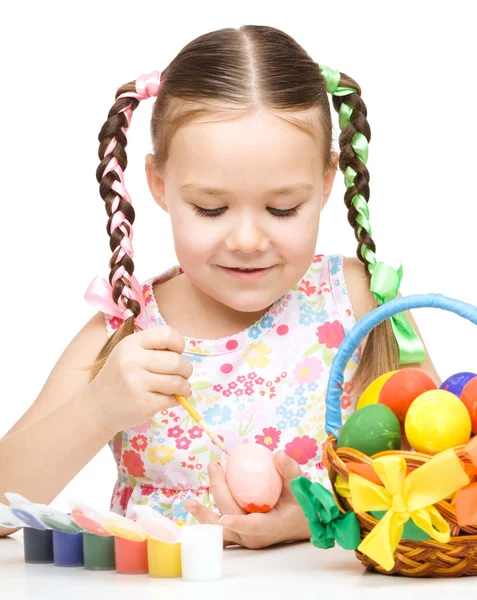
point(100, 295)
point(100, 292)
point(147, 86)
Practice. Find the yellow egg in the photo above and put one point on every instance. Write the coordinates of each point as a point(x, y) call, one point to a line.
point(437, 420)
point(371, 393)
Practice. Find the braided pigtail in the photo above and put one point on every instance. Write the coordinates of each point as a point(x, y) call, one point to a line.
point(122, 297)
point(382, 352)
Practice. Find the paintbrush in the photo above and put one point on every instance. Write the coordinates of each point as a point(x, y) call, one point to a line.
point(200, 422)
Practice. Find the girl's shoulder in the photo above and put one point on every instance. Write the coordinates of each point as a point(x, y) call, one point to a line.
point(346, 274)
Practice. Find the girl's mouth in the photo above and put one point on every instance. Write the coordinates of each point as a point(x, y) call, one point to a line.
point(247, 275)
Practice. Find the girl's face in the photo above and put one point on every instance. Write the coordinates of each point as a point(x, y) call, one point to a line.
point(241, 162)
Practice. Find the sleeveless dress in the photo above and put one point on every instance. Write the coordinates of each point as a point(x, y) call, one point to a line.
point(264, 385)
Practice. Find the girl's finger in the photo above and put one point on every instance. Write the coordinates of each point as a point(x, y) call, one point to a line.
point(220, 491)
point(253, 524)
point(206, 516)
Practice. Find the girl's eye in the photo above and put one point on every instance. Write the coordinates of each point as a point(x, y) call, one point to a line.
point(215, 212)
point(288, 212)
point(204, 212)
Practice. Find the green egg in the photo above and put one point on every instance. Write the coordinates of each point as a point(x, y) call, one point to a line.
point(371, 429)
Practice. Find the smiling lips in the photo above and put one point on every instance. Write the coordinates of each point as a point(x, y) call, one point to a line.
point(247, 275)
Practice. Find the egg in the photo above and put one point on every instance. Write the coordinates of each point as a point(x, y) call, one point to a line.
point(456, 383)
point(371, 393)
point(469, 398)
point(371, 429)
point(402, 388)
point(436, 421)
point(253, 479)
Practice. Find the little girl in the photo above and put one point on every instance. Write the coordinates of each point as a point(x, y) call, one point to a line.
point(247, 324)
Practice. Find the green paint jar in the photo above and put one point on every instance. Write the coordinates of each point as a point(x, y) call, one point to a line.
point(98, 552)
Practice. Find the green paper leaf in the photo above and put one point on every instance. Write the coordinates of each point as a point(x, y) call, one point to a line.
point(410, 532)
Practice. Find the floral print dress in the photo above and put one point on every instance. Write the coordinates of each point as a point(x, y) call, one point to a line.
point(264, 385)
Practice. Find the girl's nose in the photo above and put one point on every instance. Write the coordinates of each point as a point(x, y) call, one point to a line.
point(246, 235)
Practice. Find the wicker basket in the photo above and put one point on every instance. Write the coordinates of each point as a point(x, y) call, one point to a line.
point(428, 558)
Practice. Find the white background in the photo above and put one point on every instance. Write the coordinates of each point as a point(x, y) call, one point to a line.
point(61, 66)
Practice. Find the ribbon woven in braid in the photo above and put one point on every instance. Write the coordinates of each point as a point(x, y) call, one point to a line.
point(385, 280)
point(100, 292)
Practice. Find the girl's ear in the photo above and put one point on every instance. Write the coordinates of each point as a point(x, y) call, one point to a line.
point(156, 183)
point(329, 178)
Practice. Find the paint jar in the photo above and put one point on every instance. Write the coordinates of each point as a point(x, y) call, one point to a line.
point(68, 549)
point(202, 552)
point(28, 516)
point(98, 552)
point(61, 523)
point(38, 545)
point(131, 557)
point(164, 558)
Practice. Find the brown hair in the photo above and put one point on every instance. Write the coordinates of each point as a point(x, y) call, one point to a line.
point(235, 71)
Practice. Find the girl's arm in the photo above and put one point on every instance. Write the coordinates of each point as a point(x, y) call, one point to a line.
point(363, 302)
point(58, 435)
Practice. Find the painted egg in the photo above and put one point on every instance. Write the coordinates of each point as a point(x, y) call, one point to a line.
point(402, 388)
point(456, 383)
point(436, 421)
point(371, 393)
point(371, 429)
point(469, 398)
point(253, 479)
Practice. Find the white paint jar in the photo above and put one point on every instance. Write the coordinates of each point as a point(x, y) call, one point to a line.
point(202, 552)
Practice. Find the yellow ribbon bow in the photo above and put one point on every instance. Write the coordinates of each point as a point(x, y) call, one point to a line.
point(405, 497)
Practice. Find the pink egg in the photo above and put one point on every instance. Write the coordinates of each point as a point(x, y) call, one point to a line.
point(253, 479)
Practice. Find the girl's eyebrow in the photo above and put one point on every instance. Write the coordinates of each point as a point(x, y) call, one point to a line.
point(214, 191)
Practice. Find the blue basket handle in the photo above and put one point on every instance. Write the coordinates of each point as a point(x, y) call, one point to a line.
point(333, 420)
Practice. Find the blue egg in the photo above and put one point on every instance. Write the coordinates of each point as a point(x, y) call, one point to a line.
point(456, 383)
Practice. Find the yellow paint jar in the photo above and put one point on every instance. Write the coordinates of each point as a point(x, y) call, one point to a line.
point(164, 558)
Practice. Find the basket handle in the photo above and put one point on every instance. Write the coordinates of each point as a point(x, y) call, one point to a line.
point(333, 420)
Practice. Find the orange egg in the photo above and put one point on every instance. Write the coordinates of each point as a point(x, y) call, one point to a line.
point(252, 477)
point(402, 388)
point(469, 398)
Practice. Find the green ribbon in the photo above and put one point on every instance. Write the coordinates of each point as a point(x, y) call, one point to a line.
point(327, 523)
point(385, 282)
point(333, 77)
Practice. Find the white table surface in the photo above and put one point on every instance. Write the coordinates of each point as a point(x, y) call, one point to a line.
point(289, 571)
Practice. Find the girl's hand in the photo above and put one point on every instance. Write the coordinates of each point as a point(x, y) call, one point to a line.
point(140, 378)
point(283, 523)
